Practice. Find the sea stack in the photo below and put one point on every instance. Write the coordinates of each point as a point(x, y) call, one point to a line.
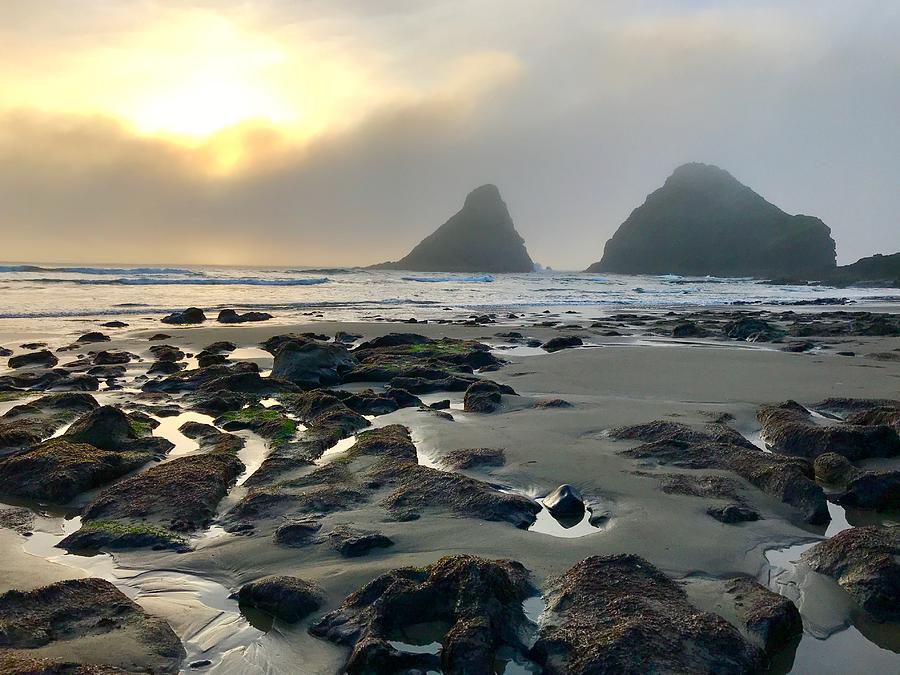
point(702, 221)
point(481, 237)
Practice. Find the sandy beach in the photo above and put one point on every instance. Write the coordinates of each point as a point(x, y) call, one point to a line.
point(608, 383)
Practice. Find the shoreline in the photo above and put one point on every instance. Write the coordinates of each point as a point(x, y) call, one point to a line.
point(620, 380)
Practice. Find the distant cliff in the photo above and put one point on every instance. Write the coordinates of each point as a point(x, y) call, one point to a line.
point(481, 237)
point(876, 270)
point(702, 221)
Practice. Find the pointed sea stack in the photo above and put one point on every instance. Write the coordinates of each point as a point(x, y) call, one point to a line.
point(481, 237)
point(702, 221)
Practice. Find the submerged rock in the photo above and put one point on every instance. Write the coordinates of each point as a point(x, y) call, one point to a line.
point(477, 602)
point(620, 614)
point(191, 315)
point(752, 329)
point(70, 616)
point(564, 502)
point(865, 561)
point(286, 598)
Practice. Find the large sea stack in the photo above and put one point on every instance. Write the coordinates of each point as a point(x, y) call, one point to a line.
point(702, 221)
point(481, 237)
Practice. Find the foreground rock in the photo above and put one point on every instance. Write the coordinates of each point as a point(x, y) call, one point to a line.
point(789, 428)
point(787, 478)
point(109, 428)
point(702, 221)
point(770, 620)
point(286, 598)
point(620, 614)
point(92, 623)
point(479, 601)
point(58, 471)
point(865, 561)
point(481, 237)
point(159, 506)
point(310, 364)
point(563, 342)
point(29, 423)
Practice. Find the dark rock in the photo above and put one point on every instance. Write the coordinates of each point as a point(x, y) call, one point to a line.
point(5, 352)
point(620, 614)
point(751, 330)
point(663, 430)
point(114, 324)
point(834, 469)
point(786, 478)
point(152, 508)
point(441, 405)
point(222, 346)
point(688, 329)
point(418, 487)
point(733, 513)
point(481, 237)
point(479, 601)
point(877, 490)
point(799, 347)
point(64, 613)
point(159, 336)
point(166, 353)
point(58, 471)
point(548, 403)
point(106, 427)
point(108, 358)
point(286, 598)
point(483, 396)
point(230, 316)
point(166, 368)
point(473, 458)
point(789, 428)
point(43, 359)
point(770, 620)
point(191, 315)
point(308, 363)
point(297, 533)
point(93, 337)
point(352, 543)
point(704, 222)
point(562, 342)
point(17, 518)
point(865, 561)
point(206, 359)
point(564, 502)
point(883, 270)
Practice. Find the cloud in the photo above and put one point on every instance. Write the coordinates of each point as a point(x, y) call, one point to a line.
point(575, 110)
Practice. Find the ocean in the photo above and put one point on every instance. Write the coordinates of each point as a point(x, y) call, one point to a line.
point(35, 291)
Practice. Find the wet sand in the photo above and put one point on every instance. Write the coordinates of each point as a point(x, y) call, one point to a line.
point(619, 381)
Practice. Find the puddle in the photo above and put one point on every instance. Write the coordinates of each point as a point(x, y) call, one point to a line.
point(335, 451)
point(200, 610)
point(168, 429)
point(567, 528)
point(832, 640)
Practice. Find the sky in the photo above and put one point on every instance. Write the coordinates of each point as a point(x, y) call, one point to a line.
point(341, 132)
